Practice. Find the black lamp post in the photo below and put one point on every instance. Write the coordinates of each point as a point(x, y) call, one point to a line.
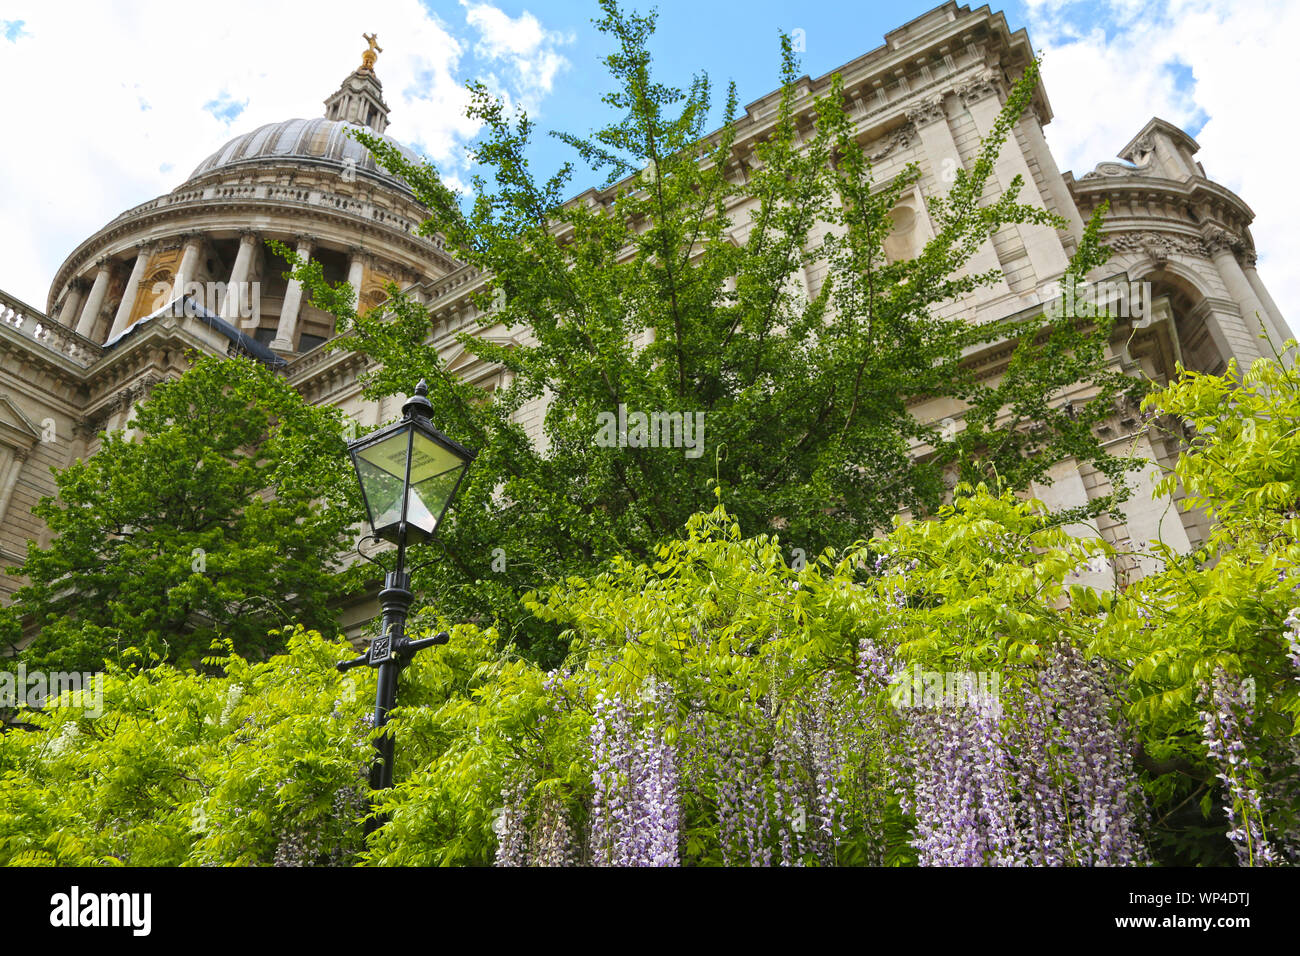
point(409, 473)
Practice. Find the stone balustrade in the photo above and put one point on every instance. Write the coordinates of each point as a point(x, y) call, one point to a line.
point(35, 325)
point(305, 195)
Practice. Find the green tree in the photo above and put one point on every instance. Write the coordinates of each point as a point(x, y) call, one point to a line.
point(658, 295)
point(222, 517)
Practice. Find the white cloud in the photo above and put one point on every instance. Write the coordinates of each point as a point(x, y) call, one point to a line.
point(124, 100)
point(1110, 66)
point(526, 49)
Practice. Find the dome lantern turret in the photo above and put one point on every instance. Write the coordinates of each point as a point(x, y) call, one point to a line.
point(360, 99)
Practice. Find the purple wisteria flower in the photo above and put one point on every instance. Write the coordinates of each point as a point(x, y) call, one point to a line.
point(635, 811)
point(1044, 780)
point(509, 822)
point(1102, 797)
point(1225, 724)
point(1293, 639)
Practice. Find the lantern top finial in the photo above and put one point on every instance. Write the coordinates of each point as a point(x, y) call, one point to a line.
point(418, 404)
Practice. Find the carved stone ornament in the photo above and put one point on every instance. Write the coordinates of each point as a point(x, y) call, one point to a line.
point(1218, 240)
point(901, 139)
point(931, 111)
point(1112, 169)
point(979, 88)
point(1144, 150)
point(1158, 246)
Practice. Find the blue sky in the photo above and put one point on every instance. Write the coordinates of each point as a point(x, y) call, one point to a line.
point(705, 36)
point(118, 130)
point(740, 43)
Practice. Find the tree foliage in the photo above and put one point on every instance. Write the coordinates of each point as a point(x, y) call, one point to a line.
point(720, 653)
point(679, 289)
point(221, 515)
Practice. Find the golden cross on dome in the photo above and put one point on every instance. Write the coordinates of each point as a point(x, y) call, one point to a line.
point(369, 56)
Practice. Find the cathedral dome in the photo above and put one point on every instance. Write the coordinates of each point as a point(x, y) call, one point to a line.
point(318, 140)
point(306, 183)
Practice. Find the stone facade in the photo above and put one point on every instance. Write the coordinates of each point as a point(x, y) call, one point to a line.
point(926, 96)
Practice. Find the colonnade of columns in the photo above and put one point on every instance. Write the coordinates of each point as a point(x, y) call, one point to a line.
point(85, 299)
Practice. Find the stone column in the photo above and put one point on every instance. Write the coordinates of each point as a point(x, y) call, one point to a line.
point(188, 268)
point(356, 271)
point(1278, 327)
point(95, 301)
point(11, 478)
point(1220, 242)
point(235, 303)
point(124, 308)
point(72, 302)
point(288, 326)
point(1046, 255)
point(1226, 330)
point(931, 122)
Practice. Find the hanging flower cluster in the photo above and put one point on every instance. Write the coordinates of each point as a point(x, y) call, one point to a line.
point(1038, 774)
point(1101, 798)
point(1047, 783)
point(744, 811)
point(956, 784)
point(635, 809)
point(1225, 723)
point(532, 824)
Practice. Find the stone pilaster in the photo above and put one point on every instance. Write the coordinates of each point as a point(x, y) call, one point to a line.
point(11, 478)
point(1277, 325)
point(1221, 245)
point(931, 122)
point(72, 302)
point(1046, 255)
point(356, 270)
point(188, 268)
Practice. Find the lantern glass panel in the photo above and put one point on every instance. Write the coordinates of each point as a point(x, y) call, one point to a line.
point(435, 472)
point(382, 470)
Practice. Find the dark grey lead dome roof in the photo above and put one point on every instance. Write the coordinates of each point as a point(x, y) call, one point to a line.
point(310, 139)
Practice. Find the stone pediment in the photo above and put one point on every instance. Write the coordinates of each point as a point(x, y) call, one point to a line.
point(16, 429)
point(1161, 151)
point(460, 358)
